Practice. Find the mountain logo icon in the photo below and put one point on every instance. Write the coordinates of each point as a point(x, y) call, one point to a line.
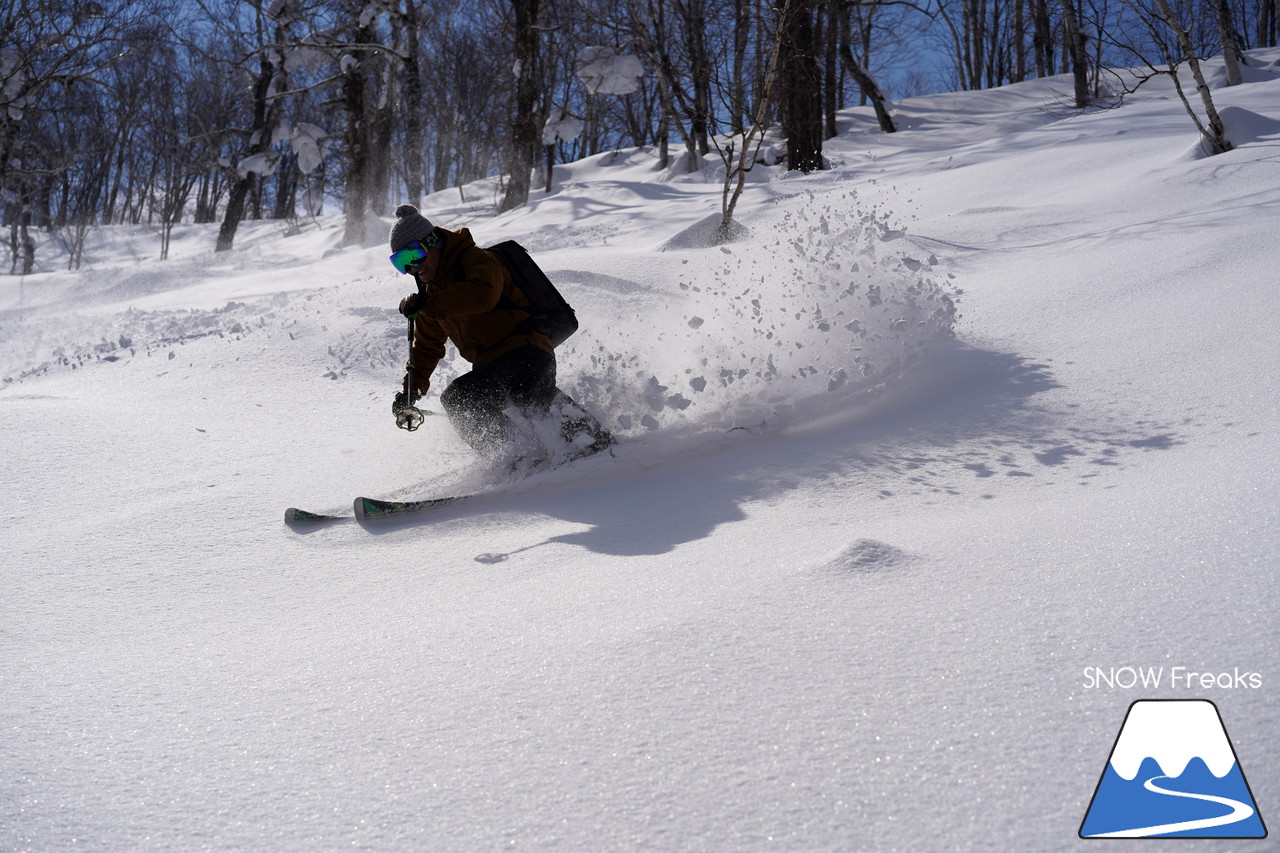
point(1173, 773)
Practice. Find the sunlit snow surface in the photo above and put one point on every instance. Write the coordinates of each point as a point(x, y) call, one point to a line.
point(1006, 389)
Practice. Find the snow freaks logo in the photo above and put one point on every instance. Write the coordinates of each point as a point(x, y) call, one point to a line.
point(1176, 677)
point(1173, 773)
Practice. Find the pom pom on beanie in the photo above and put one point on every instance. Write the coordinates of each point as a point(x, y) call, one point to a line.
point(411, 227)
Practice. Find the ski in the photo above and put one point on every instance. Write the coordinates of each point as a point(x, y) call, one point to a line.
point(366, 509)
point(295, 516)
point(372, 509)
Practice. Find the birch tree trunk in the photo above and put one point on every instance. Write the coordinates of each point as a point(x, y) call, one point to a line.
point(1079, 56)
point(1213, 132)
point(735, 178)
point(526, 141)
point(1230, 46)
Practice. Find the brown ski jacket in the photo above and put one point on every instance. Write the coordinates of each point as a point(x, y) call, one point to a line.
point(472, 302)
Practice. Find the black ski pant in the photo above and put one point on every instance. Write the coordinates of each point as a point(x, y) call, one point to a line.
point(476, 402)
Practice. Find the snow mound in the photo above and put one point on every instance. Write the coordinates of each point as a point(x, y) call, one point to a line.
point(825, 307)
point(1217, 77)
point(704, 234)
point(866, 556)
point(1242, 127)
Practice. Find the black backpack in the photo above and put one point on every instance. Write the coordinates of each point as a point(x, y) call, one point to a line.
point(552, 315)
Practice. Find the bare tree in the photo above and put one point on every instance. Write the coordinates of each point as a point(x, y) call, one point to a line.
point(368, 64)
point(1211, 130)
point(53, 58)
point(1268, 23)
point(1231, 55)
point(248, 47)
point(1042, 38)
point(1167, 34)
point(866, 82)
point(694, 21)
point(741, 162)
point(467, 88)
point(526, 125)
point(800, 97)
point(410, 102)
point(1076, 40)
point(357, 121)
point(178, 159)
point(969, 24)
point(684, 43)
point(657, 43)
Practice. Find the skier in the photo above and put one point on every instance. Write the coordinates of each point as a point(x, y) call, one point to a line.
point(467, 296)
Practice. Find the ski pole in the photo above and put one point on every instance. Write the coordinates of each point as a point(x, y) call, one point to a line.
point(410, 417)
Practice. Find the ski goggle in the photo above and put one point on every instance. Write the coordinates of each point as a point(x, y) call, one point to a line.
point(410, 256)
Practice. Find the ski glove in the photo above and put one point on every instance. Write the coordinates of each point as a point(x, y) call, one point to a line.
point(409, 305)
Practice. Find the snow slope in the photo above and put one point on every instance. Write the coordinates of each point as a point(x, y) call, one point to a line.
point(861, 623)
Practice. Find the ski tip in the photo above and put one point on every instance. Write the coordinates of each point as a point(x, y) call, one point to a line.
point(365, 509)
point(369, 509)
point(294, 516)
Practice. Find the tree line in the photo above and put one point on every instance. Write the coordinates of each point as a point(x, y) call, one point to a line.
point(159, 112)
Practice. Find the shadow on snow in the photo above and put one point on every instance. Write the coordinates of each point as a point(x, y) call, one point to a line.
point(975, 425)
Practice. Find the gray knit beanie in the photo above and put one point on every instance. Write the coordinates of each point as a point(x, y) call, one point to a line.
point(412, 227)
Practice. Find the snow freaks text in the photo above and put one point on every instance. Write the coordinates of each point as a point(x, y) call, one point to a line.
point(1173, 677)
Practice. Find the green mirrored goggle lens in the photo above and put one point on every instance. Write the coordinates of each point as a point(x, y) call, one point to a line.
point(411, 255)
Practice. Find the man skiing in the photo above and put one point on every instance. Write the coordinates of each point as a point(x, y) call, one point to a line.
point(466, 295)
